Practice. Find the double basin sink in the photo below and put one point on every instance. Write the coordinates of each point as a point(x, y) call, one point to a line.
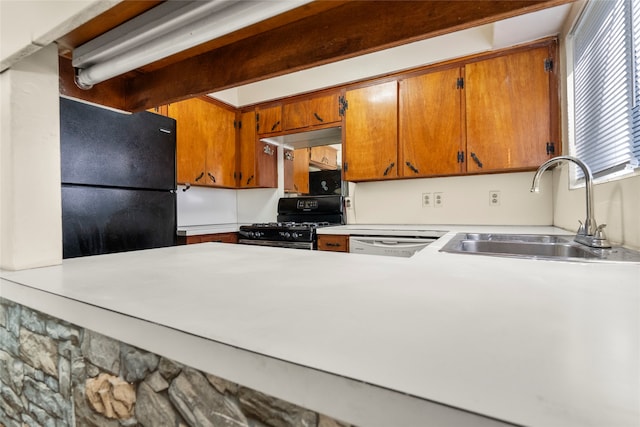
point(535, 246)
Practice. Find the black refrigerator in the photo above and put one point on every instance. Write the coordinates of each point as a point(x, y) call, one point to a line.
point(118, 178)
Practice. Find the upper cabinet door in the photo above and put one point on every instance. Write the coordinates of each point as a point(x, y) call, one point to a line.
point(269, 119)
point(191, 141)
point(324, 109)
point(371, 132)
point(295, 115)
point(301, 170)
point(247, 146)
point(206, 143)
point(316, 111)
point(221, 152)
point(431, 126)
point(508, 111)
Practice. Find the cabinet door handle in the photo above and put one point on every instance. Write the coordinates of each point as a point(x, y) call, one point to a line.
point(413, 168)
point(199, 177)
point(476, 159)
point(388, 169)
point(250, 179)
point(333, 245)
point(318, 117)
point(275, 125)
point(211, 177)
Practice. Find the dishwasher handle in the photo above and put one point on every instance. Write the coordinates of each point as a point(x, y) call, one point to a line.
point(388, 245)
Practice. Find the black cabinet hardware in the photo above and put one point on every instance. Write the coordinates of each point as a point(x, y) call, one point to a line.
point(476, 159)
point(413, 168)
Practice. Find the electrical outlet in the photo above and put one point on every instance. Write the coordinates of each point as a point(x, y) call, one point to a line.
point(438, 200)
point(427, 200)
point(494, 198)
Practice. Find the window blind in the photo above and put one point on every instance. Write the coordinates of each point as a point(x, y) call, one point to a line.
point(635, 19)
point(605, 65)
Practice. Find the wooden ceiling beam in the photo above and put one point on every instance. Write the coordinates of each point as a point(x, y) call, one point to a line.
point(317, 34)
point(352, 29)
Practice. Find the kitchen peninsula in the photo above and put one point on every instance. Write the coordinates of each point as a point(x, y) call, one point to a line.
point(436, 338)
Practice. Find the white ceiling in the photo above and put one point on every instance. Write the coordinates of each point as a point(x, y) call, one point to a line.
point(509, 32)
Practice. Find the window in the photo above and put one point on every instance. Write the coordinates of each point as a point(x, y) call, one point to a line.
point(606, 87)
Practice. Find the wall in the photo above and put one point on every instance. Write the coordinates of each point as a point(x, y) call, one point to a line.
point(465, 200)
point(30, 208)
point(54, 373)
point(615, 203)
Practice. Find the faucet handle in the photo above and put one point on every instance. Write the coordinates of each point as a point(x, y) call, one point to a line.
point(582, 230)
point(600, 234)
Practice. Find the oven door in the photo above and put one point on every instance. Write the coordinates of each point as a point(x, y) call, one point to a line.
point(278, 244)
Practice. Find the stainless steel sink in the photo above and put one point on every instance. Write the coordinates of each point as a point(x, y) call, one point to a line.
point(535, 246)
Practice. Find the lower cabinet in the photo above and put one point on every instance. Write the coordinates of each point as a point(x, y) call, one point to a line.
point(333, 242)
point(203, 238)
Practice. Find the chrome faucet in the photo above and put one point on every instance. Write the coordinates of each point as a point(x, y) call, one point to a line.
point(589, 233)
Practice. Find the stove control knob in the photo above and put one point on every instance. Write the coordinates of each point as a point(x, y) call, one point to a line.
point(287, 234)
point(295, 235)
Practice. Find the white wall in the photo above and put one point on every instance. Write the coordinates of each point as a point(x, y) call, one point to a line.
point(465, 200)
point(28, 25)
point(30, 207)
point(615, 203)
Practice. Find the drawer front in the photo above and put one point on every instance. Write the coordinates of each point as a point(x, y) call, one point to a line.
point(202, 238)
point(334, 243)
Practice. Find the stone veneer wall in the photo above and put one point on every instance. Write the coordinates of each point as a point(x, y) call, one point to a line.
point(53, 373)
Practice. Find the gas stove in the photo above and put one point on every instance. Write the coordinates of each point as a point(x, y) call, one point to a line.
point(298, 219)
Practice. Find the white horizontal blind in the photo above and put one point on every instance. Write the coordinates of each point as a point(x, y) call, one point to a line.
point(604, 80)
point(635, 5)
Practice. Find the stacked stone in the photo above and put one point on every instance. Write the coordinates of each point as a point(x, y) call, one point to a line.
point(56, 374)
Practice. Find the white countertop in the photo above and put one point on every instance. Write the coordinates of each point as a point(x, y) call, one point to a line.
point(528, 342)
point(196, 230)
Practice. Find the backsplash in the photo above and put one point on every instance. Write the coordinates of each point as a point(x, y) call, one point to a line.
point(452, 200)
point(496, 199)
point(204, 206)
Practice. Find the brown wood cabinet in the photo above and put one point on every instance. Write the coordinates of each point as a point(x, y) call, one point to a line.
point(257, 167)
point(487, 115)
point(205, 144)
point(288, 171)
point(509, 111)
point(370, 146)
point(324, 157)
point(333, 242)
point(301, 171)
point(268, 119)
point(203, 238)
point(431, 125)
point(319, 110)
point(296, 171)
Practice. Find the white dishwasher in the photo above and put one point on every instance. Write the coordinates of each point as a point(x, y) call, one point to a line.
point(399, 246)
